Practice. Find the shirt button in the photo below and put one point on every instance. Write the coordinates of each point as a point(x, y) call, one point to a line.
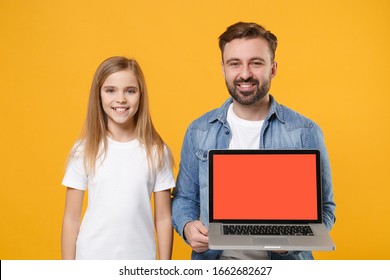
point(227, 132)
point(205, 154)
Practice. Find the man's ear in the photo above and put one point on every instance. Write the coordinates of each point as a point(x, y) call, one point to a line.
point(223, 69)
point(274, 69)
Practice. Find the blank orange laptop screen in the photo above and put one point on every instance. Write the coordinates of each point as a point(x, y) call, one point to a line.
point(265, 187)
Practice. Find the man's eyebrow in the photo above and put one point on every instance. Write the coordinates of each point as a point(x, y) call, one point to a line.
point(257, 58)
point(232, 59)
point(251, 59)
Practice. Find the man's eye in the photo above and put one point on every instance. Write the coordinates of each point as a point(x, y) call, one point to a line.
point(257, 63)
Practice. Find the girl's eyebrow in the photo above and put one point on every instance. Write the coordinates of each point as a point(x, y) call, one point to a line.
point(124, 86)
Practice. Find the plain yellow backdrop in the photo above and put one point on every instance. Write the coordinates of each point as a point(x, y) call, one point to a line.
point(333, 67)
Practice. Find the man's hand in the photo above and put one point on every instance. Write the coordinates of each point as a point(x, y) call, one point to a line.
point(197, 236)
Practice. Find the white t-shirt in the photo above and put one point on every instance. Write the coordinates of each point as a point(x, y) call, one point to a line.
point(245, 135)
point(118, 222)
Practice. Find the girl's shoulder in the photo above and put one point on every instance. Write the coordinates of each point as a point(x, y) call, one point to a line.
point(77, 150)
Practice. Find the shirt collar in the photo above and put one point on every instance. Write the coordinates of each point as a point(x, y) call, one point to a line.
point(221, 113)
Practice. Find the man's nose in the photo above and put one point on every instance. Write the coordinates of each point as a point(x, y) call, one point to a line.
point(246, 73)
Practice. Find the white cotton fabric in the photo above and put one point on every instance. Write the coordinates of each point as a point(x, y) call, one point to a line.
point(118, 222)
point(245, 135)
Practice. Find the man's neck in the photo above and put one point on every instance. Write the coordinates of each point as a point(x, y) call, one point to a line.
point(254, 112)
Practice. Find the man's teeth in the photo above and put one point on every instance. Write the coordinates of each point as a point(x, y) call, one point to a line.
point(245, 85)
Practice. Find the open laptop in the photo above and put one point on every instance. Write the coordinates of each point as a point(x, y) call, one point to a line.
point(266, 200)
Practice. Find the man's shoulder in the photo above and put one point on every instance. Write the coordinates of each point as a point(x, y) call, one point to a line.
point(204, 119)
point(213, 117)
point(294, 118)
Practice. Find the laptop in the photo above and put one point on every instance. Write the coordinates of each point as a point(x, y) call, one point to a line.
point(266, 200)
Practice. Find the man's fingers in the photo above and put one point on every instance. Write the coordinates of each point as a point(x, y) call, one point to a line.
point(196, 234)
point(200, 226)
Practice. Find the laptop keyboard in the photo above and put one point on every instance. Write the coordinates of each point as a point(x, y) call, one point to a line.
point(267, 230)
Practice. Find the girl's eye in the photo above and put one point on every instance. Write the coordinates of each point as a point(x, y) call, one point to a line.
point(109, 90)
point(131, 91)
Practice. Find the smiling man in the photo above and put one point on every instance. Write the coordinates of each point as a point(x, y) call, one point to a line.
point(250, 119)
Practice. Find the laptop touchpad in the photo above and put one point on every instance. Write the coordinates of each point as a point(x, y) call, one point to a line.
point(277, 241)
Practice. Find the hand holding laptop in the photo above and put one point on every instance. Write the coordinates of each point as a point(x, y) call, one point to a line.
point(197, 236)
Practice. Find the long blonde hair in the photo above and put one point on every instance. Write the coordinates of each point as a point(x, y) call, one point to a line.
point(93, 137)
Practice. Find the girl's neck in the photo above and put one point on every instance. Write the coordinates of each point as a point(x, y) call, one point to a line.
point(120, 134)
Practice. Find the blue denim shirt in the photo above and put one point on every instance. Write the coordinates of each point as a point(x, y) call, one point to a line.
point(283, 128)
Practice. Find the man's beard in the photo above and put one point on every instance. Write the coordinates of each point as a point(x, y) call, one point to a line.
point(249, 97)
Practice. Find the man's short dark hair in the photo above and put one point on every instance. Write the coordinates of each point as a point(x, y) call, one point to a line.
point(248, 30)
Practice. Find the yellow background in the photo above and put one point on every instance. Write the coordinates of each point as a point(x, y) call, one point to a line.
point(333, 67)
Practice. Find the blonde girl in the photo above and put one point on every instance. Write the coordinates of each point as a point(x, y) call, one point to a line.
point(122, 160)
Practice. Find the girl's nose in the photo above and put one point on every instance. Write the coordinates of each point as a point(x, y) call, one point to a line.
point(121, 98)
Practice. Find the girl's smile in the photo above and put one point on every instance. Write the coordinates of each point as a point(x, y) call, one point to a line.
point(120, 110)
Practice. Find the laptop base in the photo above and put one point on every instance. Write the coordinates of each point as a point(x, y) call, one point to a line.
point(319, 242)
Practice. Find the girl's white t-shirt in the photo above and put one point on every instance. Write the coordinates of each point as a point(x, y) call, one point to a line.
point(118, 222)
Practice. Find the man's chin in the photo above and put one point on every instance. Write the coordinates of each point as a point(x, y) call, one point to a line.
point(246, 93)
point(247, 99)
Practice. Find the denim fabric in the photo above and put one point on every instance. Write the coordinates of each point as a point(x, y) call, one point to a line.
point(283, 128)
